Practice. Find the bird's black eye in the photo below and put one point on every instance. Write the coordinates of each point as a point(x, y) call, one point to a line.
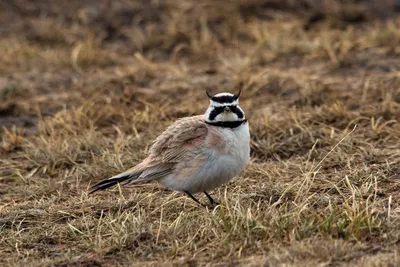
point(233, 109)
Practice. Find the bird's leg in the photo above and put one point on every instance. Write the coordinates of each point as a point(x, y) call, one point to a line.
point(192, 197)
point(212, 201)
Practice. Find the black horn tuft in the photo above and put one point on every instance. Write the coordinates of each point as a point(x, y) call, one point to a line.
point(208, 94)
point(236, 96)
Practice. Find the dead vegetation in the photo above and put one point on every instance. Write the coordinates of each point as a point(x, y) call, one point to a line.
point(86, 86)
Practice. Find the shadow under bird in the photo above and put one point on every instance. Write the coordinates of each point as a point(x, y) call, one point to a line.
point(195, 154)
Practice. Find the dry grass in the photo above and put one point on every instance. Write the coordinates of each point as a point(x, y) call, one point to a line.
point(84, 89)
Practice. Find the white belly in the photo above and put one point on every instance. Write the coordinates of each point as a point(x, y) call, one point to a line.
point(218, 168)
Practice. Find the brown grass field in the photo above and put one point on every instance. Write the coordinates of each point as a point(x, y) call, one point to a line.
point(85, 86)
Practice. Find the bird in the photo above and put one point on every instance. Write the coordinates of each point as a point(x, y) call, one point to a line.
point(195, 154)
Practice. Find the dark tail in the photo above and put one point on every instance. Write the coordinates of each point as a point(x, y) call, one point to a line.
point(110, 182)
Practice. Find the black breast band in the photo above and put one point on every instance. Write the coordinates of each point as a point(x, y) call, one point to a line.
point(227, 124)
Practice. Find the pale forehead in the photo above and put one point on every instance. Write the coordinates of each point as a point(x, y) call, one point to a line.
point(224, 99)
point(223, 94)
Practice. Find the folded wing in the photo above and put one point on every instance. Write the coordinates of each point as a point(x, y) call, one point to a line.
point(177, 143)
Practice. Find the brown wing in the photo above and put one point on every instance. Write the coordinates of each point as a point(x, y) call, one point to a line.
point(179, 139)
point(175, 144)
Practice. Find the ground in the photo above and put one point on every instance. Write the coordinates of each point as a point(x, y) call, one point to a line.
point(85, 86)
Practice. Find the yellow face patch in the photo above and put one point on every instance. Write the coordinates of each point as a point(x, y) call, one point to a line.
point(227, 116)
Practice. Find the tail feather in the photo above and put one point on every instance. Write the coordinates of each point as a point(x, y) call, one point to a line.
point(140, 173)
point(111, 182)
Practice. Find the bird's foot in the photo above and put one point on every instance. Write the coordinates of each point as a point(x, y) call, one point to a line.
point(213, 203)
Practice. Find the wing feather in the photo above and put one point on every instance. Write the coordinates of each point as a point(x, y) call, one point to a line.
point(179, 140)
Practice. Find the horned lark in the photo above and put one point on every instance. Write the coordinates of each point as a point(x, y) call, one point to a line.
point(196, 154)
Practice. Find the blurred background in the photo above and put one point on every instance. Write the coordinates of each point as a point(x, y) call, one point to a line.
point(86, 85)
point(50, 48)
